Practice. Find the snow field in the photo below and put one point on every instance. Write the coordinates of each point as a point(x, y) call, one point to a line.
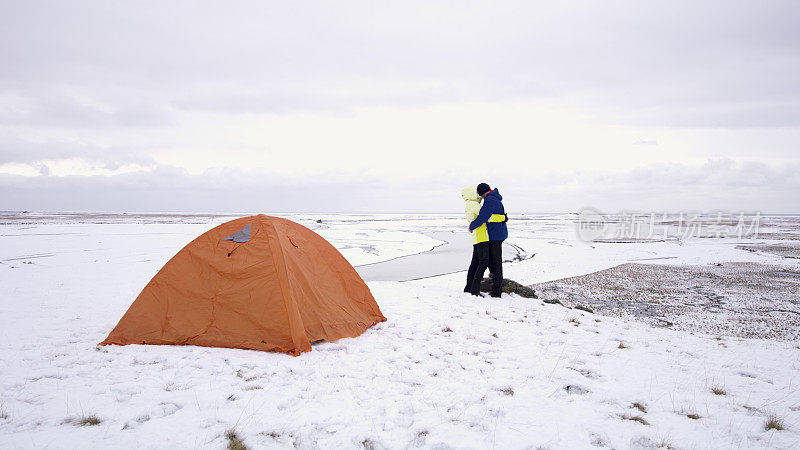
point(447, 370)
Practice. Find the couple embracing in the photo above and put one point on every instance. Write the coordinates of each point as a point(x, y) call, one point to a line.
point(488, 228)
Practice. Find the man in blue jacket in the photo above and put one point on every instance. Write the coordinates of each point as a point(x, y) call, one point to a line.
point(492, 254)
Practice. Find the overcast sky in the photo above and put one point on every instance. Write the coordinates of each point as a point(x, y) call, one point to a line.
point(377, 106)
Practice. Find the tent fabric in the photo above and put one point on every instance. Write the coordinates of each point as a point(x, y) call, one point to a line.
point(281, 290)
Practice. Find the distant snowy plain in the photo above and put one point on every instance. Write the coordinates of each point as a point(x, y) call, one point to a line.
point(447, 370)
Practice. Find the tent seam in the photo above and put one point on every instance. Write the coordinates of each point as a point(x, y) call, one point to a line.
point(287, 293)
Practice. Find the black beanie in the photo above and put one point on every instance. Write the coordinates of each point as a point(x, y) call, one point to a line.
point(483, 188)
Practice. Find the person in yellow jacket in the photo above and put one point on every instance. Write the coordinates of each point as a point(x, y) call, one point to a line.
point(480, 235)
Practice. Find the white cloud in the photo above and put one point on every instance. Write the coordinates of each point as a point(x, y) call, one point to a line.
point(407, 94)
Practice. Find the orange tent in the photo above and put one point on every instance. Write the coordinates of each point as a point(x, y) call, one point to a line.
point(260, 283)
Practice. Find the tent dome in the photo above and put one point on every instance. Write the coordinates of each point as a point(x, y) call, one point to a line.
point(258, 282)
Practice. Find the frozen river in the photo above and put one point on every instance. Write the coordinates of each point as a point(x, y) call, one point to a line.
point(452, 256)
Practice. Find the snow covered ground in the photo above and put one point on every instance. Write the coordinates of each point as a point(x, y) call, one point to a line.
point(446, 370)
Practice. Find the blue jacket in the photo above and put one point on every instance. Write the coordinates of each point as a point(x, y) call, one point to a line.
point(492, 204)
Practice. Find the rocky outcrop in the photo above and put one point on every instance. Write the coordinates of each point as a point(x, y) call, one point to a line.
point(509, 287)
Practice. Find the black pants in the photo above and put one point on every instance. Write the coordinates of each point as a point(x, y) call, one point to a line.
point(486, 254)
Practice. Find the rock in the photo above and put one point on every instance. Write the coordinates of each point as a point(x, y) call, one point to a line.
point(509, 287)
point(584, 308)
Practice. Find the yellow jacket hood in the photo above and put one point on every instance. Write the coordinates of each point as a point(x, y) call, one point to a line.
point(470, 194)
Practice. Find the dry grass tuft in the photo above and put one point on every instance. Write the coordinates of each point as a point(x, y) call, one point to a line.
point(718, 391)
point(637, 418)
point(640, 407)
point(447, 330)
point(622, 345)
point(665, 442)
point(83, 421)
point(234, 443)
point(693, 416)
point(89, 420)
point(508, 391)
point(774, 423)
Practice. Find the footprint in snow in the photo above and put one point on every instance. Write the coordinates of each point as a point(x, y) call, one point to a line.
point(168, 409)
point(590, 374)
point(575, 389)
